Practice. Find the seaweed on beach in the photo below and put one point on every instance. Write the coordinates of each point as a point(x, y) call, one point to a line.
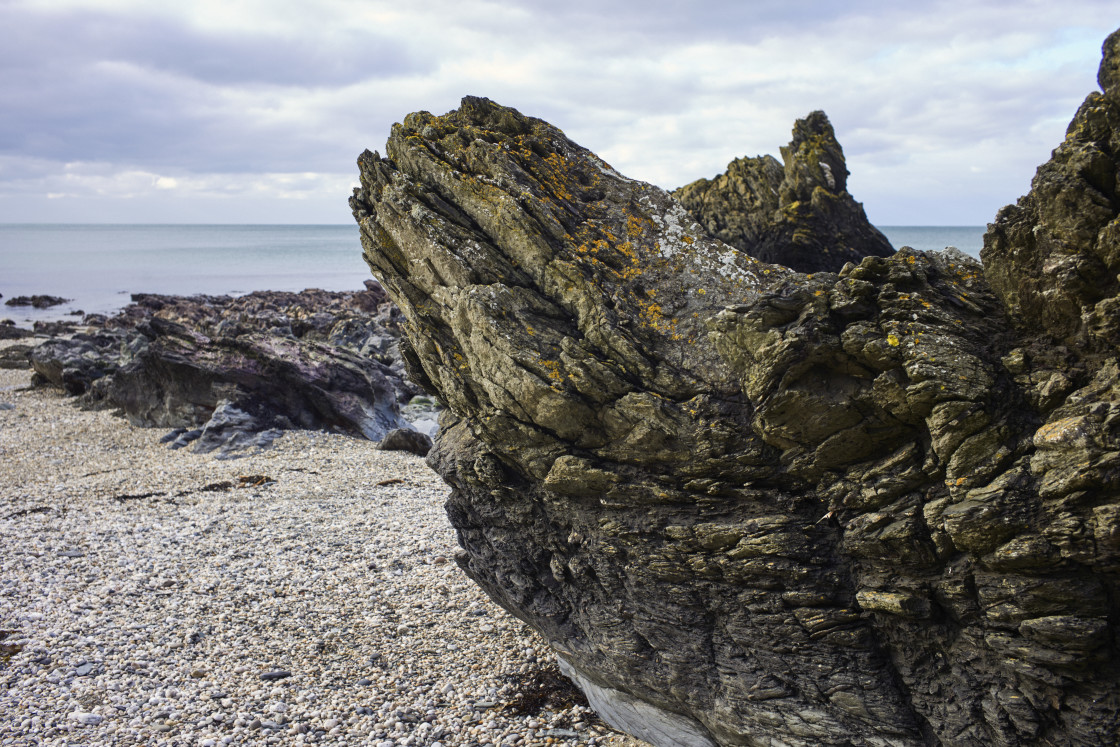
point(136, 496)
point(28, 512)
point(543, 687)
point(244, 481)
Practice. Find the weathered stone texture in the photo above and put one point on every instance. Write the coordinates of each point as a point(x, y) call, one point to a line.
point(860, 508)
point(798, 214)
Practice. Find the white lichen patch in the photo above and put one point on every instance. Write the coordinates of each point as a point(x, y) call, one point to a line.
point(828, 174)
point(607, 170)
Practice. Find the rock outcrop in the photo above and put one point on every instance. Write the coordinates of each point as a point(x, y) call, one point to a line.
point(41, 301)
point(232, 373)
point(751, 506)
point(798, 214)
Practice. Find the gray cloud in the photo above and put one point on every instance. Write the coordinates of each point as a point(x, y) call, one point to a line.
point(943, 112)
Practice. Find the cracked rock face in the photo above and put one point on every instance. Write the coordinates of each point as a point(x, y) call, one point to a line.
point(747, 505)
point(797, 212)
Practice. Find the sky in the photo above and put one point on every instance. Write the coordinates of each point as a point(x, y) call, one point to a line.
point(254, 111)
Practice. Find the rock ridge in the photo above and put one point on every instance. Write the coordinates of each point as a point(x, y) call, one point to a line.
point(797, 212)
point(852, 508)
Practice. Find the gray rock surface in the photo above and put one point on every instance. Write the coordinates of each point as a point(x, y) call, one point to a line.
point(406, 439)
point(860, 508)
point(637, 717)
point(239, 370)
point(797, 212)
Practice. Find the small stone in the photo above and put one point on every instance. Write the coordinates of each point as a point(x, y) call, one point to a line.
point(198, 673)
point(86, 719)
point(84, 670)
point(277, 674)
point(364, 682)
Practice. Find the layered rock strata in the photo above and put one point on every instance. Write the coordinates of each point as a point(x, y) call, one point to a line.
point(796, 212)
point(751, 506)
point(231, 373)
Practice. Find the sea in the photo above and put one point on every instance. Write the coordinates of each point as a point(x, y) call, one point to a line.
point(98, 266)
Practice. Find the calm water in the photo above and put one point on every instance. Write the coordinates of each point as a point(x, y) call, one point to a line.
point(969, 239)
point(100, 265)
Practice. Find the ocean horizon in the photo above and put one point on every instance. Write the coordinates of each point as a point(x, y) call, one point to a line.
point(99, 266)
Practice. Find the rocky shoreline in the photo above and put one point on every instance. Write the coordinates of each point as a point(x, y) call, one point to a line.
point(226, 374)
point(300, 594)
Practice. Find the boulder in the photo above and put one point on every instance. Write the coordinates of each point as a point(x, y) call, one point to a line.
point(232, 372)
point(747, 505)
point(406, 439)
point(797, 213)
point(181, 376)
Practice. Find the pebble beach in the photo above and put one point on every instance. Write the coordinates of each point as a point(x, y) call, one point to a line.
point(297, 595)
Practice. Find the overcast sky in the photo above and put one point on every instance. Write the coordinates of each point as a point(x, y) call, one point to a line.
point(253, 111)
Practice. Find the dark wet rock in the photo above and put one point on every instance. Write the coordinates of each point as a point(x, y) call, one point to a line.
point(181, 376)
point(235, 371)
point(171, 435)
point(797, 213)
point(9, 331)
point(746, 504)
point(15, 356)
point(75, 363)
point(1054, 257)
point(53, 329)
point(185, 438)
point(406, 439)
point(38, 301)
point(231, 429)
point(273, 676)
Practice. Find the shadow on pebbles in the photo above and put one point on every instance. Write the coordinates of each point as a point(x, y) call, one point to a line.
point(301, 594)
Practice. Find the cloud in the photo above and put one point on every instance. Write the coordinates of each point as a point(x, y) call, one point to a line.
point(943, 112)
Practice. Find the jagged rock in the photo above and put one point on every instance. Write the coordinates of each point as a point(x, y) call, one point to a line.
point(180, 377)
point(75, 363)
point(230, 429)
point(799, 215)
point(763, 506)
point(237, 369)
point(406, 439)
point(1053, 258)
point(38, 301)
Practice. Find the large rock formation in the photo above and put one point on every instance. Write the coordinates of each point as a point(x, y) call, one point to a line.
point(749, 506)
point(226, 370)
point(798, 214)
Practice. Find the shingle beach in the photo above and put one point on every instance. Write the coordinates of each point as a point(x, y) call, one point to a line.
point(302, 594)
